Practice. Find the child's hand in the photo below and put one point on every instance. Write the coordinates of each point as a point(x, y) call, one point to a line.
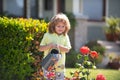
point(52, 45)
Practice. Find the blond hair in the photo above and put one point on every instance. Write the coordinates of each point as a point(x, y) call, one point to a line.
point(60, 17)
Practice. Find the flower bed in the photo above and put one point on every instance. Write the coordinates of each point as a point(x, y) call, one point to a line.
point(86, 61)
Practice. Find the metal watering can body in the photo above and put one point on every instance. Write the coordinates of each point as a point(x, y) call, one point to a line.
point(51, 59)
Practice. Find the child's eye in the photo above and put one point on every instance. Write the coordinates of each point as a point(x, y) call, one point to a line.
point(60, 26)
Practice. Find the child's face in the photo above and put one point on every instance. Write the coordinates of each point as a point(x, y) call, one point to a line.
point(60, 28)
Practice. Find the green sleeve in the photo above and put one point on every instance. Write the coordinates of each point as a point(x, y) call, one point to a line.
point(44, 39)
point(67, 43)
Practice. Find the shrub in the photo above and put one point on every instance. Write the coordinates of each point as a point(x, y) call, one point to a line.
point(16, 35)
point(94, 45)
point(71, 59)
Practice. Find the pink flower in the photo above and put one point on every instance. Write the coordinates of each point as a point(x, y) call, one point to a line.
point(84, 50)
point(50, 75)
point(100, 77)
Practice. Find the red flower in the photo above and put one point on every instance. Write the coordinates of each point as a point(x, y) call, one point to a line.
point(50, 75)
point(93, 54)
point(100, 77)
point(84, 50)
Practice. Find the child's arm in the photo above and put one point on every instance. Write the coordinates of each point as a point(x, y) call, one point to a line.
point(63, 48)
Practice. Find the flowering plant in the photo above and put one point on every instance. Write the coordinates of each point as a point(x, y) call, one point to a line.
point(51, 75)
point(86, 61)
point(100, 77)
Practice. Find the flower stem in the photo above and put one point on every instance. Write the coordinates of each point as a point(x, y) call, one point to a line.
point(88, 74)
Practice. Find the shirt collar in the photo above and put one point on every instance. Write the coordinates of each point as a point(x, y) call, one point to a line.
point(57, 34)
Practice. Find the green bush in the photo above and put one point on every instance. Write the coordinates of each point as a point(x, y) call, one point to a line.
point(95, 46)
point(71, 59)
point(16, 35)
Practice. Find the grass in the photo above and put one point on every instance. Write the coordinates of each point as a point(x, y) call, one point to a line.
point(108, 73)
